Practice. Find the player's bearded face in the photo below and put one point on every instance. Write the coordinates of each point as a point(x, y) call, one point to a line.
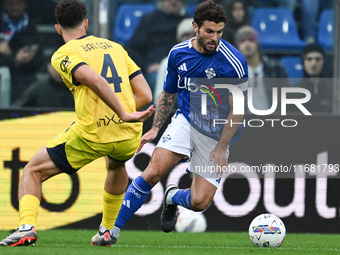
point(209, 36)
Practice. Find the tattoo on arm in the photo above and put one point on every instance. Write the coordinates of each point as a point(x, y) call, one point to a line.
point(163, 108)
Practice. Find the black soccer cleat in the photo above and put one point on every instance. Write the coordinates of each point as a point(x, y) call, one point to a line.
point(169, 212)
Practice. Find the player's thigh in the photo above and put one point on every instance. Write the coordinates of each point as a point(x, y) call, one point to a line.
point(172, 147)
point(161, 162)
point(41, 166)
point(70, 151)
point(200, 162)
point(117, 179)
point(176, 137)
point(121, 152)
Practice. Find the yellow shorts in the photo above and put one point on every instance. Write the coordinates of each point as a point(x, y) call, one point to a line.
point(70, 151)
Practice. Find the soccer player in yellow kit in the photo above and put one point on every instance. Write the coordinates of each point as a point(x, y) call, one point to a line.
point(108, 87)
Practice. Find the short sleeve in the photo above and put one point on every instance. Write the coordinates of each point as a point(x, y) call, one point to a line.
point(66, 63)
point(133, 68)
point(171, 78)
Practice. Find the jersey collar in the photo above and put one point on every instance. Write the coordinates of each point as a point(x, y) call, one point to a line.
point(190, 44)
point(84, 36)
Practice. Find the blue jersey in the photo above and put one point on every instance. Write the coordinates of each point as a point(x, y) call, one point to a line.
point(194, 76)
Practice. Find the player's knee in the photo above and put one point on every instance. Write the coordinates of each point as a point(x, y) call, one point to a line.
point(199, 204)
point(31, 172)
point(37, 172)
point(152, 175)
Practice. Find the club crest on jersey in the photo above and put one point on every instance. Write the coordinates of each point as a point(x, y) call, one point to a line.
point(210, 73)
point(166, 138)
point(64, 64)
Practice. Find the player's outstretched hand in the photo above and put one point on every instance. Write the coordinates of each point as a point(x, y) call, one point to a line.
point(139, 116)
point(220, 159)
point(147, 137)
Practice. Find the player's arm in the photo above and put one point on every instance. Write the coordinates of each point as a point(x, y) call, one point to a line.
point(166, 99)
point(163, 108)
point(141, 91)
point(219, 153)
point(164, 105)
point(87, 76)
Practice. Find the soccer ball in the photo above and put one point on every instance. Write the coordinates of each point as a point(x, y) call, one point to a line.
point(267, 230)
point(190, 221)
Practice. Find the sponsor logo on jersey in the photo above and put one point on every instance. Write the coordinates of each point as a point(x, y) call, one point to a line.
point(105, 121)
point(206, 89)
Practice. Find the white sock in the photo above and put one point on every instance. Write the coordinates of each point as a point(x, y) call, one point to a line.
point(169, 196)
point(115, 232)
point(25, 227)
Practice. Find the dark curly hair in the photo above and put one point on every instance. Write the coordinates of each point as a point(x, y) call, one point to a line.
point(70, 13)
point(209, 11)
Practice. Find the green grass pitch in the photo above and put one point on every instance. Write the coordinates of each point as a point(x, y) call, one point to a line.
point(152, 242)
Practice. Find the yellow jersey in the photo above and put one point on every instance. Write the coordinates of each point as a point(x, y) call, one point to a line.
point(96, 121)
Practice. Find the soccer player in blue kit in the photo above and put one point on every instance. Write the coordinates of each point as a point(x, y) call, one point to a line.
point(204, 56)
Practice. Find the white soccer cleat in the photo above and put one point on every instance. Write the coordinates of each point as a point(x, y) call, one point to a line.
point(20, 238)
point(102, 239)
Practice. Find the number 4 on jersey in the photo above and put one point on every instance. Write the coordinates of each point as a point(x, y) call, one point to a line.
point(115, 79)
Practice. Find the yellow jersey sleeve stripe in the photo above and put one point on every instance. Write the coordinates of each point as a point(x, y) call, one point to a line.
point(74, 81)
point(135, 74)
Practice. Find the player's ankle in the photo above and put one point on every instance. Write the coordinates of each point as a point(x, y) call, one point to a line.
point(171, 193)
point(115, 232)
point(102, 229)
point(25, 227)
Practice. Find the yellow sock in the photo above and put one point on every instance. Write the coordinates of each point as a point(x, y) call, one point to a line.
point(111, 207)
point(28, 209)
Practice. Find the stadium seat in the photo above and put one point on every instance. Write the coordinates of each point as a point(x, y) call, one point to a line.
point(127, 20)
point(294, 68)
point(325, 34)
point(277, 30)
point(260, 3)
point(191, 9)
